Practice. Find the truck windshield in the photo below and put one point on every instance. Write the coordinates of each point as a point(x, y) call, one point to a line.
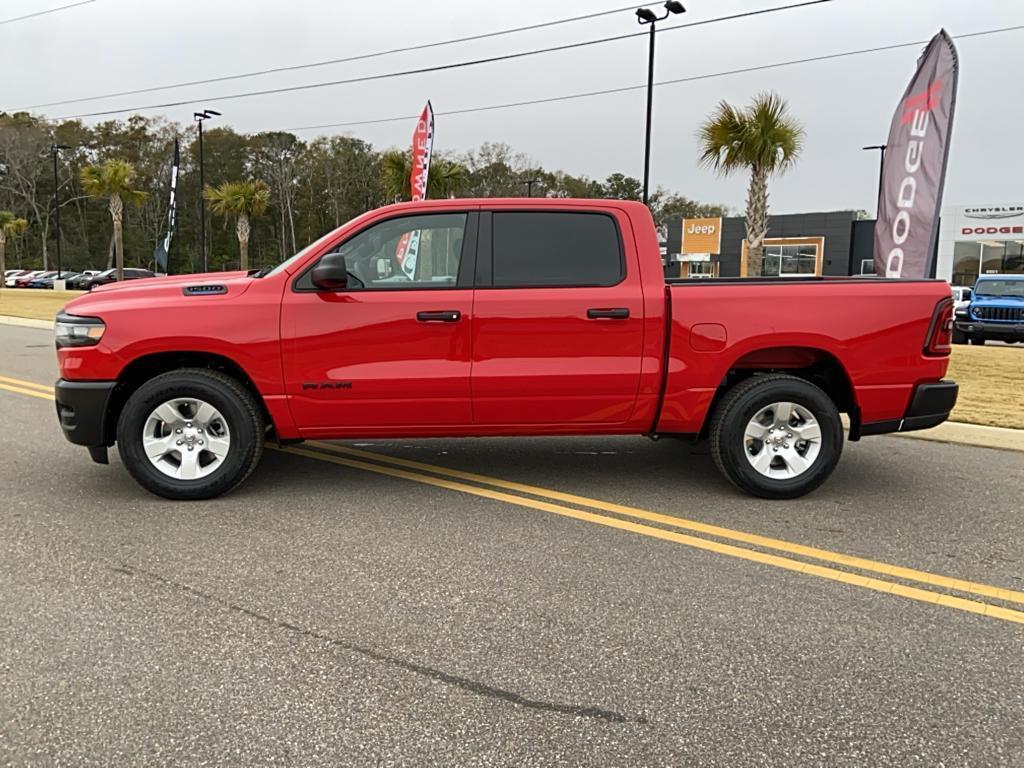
point(1000, 288)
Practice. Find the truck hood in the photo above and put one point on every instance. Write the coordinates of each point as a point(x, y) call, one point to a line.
point(213, 286)
point(202, 278)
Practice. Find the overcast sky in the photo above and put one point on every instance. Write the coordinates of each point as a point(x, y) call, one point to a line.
point(114, 45)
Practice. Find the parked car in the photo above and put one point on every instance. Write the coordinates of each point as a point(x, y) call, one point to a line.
point(995, 312)
point(510, 317)
point(11, 275)
point(75, 283)
point(110, 276)
point(961, 296)
point(12, 281)
point(47, 282)
point(24, 280)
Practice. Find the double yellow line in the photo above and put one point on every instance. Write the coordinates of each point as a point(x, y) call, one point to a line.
point(624, 519)
point(29, 388)
point(923, 586)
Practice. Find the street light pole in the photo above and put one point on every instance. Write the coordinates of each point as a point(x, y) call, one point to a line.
point(55, 151)
point(881, 169)
point(647, 16)
point(199, 117)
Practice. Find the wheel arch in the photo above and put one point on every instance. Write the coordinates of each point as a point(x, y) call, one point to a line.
point(814, 364)
point(145, 367)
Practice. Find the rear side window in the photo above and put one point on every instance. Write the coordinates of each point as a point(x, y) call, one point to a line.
point(548, 249)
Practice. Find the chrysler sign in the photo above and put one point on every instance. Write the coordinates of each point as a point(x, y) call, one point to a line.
point(995, 212)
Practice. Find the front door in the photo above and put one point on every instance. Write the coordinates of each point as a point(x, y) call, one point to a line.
point(391, 349)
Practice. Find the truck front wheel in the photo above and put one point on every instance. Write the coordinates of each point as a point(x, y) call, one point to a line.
point(776, 436)
point(190, 434)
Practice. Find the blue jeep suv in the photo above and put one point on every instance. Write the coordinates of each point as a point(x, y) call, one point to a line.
point(996, 311)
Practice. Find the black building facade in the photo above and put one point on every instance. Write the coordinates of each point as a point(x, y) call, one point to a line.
point(827, 243)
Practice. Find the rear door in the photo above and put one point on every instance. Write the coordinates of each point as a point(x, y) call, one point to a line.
point(559, 318)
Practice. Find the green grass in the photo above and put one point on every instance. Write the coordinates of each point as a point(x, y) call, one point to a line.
point(991, 385)
point(34, 304)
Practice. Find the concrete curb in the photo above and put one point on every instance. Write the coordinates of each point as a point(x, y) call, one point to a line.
point(26, 322)
point(971, 434)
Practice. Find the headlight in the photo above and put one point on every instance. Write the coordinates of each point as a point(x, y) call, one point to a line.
point(74, 331)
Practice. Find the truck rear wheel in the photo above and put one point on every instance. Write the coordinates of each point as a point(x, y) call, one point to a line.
point(190, 434)
point(776, 436)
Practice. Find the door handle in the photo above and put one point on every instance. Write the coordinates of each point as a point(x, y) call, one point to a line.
point(441, 316)
point(615, 313)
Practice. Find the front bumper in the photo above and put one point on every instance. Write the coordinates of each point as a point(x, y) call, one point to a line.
point(929, 407)
point(82, 411)
point(990, 330)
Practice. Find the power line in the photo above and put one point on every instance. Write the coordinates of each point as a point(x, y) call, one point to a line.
point(46, 12)
point(328, 62)
point(436, 68)
point(676, 81)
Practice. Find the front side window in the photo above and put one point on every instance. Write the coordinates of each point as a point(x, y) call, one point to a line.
point(547, 249)
point(410, 252)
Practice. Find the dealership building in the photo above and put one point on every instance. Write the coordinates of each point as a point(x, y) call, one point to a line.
point(973, 240)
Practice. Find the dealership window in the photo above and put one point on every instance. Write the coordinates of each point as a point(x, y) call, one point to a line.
point(986, 257)
point(787, 257)
point(700, 269)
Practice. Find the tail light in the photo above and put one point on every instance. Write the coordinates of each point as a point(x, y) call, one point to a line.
point(939, 341)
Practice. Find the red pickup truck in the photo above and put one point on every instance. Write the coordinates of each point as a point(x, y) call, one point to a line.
point(454, 318)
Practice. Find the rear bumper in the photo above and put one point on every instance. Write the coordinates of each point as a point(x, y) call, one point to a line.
point(991, 330)
point(82, 411)
point(929, 407)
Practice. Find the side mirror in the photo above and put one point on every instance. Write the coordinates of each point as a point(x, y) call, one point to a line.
point(331, 273)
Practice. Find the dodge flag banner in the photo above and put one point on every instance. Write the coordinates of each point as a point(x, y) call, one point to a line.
point(914, 169)
point(422, 146)
point(160, 253)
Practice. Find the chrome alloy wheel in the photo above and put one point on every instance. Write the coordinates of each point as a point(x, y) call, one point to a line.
point(782, 440)
point(186, 438)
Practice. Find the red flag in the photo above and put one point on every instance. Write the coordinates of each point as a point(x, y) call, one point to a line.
point(422, 148)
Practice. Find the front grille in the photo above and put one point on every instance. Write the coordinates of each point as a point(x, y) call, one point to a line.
point(1000, 314)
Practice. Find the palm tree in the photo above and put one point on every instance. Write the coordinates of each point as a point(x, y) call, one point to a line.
point(244, 199)
point(10, 226)
point(763, 138)
point(113, 181)
point(446, 178)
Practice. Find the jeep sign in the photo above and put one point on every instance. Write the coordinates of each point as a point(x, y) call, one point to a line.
point(915, 165)
point(702, 235)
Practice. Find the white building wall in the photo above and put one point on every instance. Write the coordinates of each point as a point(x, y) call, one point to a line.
point(975, 223)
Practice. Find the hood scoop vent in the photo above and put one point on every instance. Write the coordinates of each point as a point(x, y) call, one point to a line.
point(203, 290)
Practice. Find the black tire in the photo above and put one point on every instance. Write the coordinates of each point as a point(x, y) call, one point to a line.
point(238, 407)
point(959, 337)
point(741, 403)
point(978, 340)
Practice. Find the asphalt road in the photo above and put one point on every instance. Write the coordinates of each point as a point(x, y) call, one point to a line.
point(329, 614)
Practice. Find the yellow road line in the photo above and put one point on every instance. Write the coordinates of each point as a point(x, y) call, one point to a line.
point(837, 558)
point(714, 530)
point(48, 388)
point(867, 582)
point(29, 392)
